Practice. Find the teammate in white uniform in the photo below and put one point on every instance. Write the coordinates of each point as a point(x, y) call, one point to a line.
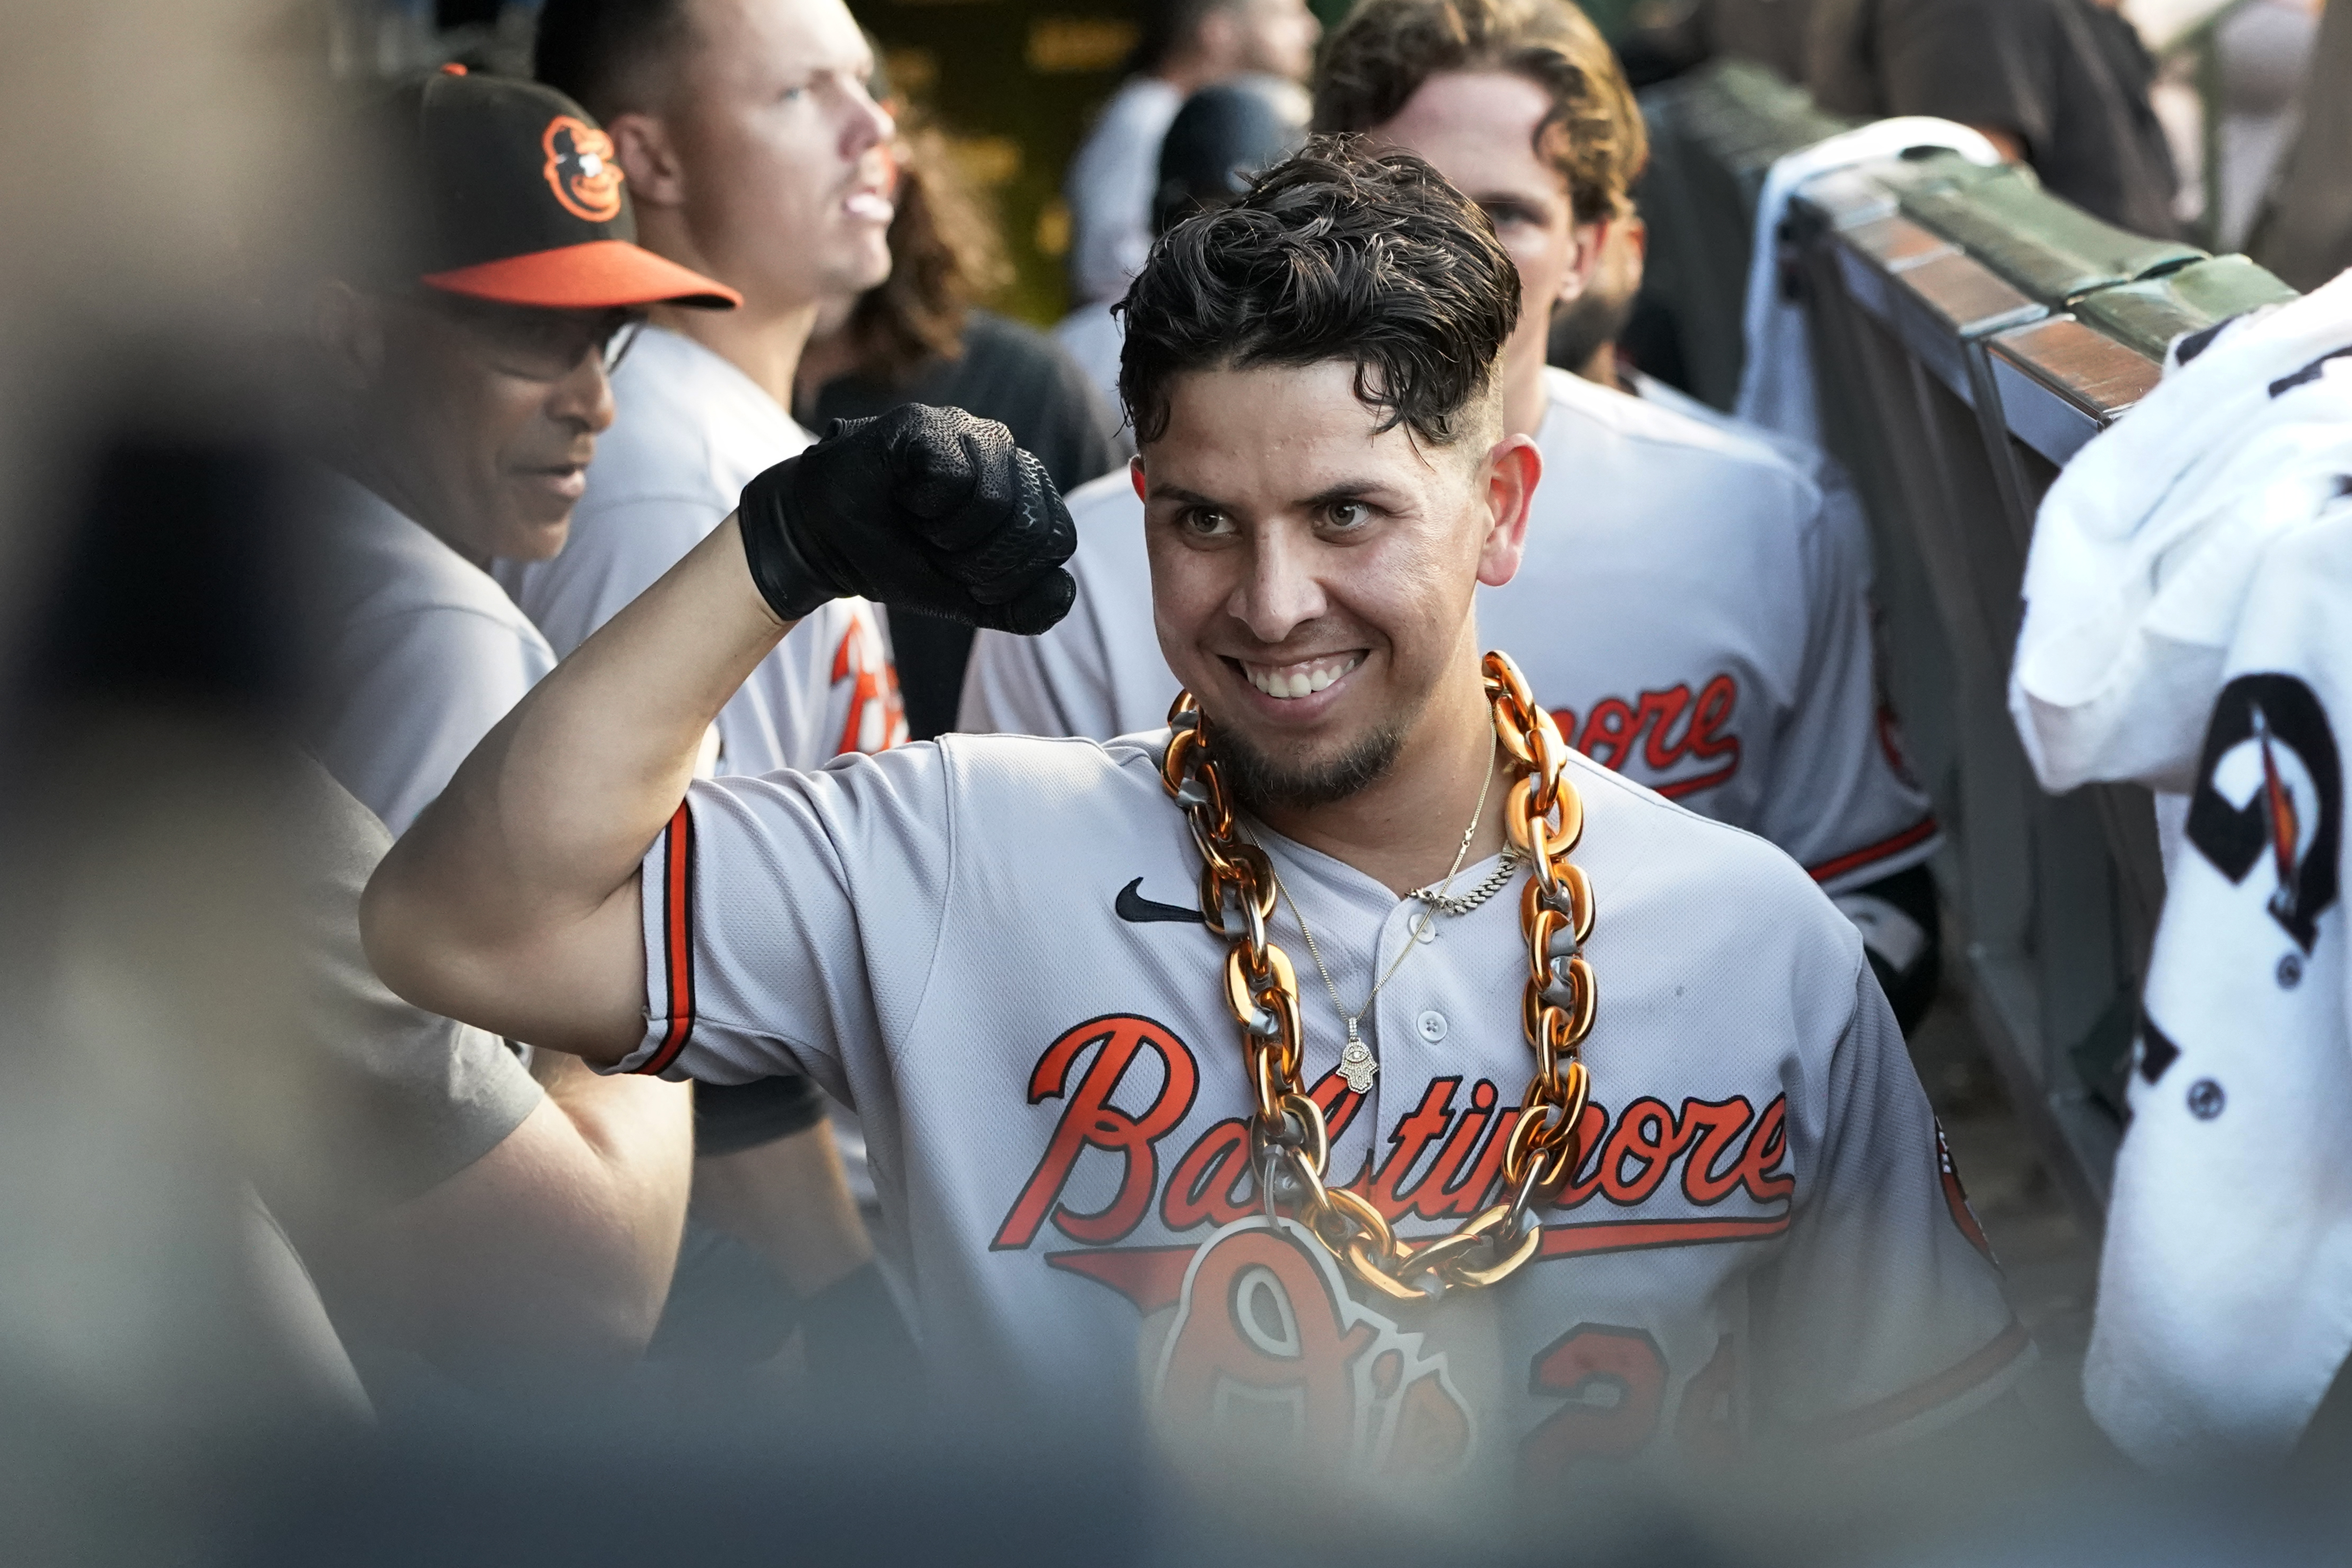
point(993, 944)
point(788, 208)
point(1690, 611)
point(1897, 912)
point(470, 387)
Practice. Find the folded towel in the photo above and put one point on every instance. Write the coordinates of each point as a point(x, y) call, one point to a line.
point(1775, 383)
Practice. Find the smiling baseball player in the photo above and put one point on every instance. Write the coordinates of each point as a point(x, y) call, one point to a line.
point(1236, 1051)
point(1689, 611)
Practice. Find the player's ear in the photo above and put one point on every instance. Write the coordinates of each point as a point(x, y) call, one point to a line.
point(1508, 476)
point(1591, 242)
point(649, 163)
point(1135, 477)
point(347, 328)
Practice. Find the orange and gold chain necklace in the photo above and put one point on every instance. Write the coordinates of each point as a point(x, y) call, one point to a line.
point(1290, 1142)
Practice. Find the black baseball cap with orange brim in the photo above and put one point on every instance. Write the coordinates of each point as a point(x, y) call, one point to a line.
point(518, 200)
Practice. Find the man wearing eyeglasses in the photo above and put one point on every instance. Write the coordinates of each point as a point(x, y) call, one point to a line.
point(459, 380)
point(464, 387)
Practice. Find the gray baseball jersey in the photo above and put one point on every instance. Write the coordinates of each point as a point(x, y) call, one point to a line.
point(421, 653)
point(1690, 610)
point(990, 946)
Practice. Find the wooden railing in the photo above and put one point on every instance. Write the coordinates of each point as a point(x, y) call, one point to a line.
point(1971, 333)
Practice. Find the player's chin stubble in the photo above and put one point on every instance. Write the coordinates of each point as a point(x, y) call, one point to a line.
point(1261, 781)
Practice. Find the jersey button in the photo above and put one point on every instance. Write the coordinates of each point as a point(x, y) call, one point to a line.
point(1433, 1026)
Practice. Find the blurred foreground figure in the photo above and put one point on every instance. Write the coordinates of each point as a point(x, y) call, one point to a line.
point(753, 154)
point(1690, 610)
point(919, 337)
point(2184, 629)
point(1223, 137)
point(1187, 45)
point(1386, 1243)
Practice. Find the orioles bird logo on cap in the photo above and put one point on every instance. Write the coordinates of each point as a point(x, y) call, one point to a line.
point(581, 169)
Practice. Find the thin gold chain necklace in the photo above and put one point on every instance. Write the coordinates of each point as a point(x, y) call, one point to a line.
point(1356, 1064)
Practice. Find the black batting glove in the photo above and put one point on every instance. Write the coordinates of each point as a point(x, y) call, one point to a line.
point(928, 508)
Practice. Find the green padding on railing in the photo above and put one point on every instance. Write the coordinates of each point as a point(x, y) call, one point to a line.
point(2149, 316)
point(1747, 117)
point(2051, 249)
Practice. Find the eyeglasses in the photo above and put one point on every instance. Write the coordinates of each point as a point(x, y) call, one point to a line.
point(537, 344)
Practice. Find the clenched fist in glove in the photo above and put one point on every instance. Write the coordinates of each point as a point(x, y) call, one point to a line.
point(928, 508)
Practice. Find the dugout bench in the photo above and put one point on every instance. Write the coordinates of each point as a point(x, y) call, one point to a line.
point(1971, 333)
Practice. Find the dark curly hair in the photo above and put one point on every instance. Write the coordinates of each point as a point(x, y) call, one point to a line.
point(1386, 49)
point(1339, 253)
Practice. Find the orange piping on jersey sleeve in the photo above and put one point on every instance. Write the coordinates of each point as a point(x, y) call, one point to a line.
point(677, 937)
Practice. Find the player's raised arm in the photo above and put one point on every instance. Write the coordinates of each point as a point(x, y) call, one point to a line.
point(512, 903)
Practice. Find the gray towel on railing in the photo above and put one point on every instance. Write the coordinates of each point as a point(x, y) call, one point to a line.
point(1776, 380)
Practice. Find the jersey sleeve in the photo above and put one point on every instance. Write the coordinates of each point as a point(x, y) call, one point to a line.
point(425, 687)
point(1840, 799)
point(790, 920)
point(1885, 1317)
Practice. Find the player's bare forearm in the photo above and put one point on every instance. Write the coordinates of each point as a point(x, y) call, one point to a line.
point(512, 901)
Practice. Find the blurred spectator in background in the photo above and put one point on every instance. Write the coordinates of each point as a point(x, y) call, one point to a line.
point(1665, 38)
point(2255, 62)
point(1216, 145)
point(1585, 332)
point(755, 154)
point(1186, 45)
point(2304, 233)
point(2062, 85)
point(460, 390)
point(920, 336)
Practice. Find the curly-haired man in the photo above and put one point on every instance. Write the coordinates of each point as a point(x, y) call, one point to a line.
point(1392, 1208)
point(1691, 611)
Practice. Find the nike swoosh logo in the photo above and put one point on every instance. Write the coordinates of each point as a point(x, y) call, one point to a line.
point(1134, 907)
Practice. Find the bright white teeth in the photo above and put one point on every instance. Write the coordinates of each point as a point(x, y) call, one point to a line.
point(865, 204)
point(1300, 679)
